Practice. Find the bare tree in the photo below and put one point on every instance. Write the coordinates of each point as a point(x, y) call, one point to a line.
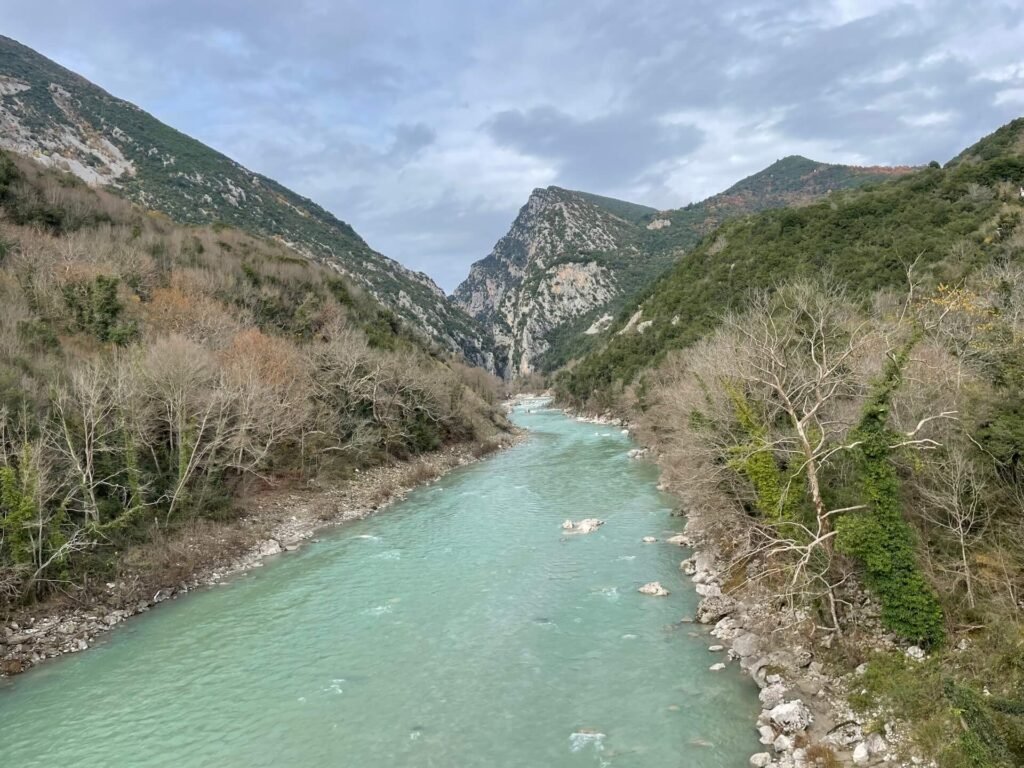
point(774, 397)
point(84, 426)
point(953, 504)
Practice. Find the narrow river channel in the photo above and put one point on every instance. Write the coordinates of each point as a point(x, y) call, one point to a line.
point(459, 628)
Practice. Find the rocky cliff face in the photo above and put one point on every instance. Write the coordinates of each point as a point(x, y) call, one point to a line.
point(557, 264)
point(64, 121)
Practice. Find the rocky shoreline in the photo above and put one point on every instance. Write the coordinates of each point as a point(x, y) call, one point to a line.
point(275, 522)
point(805, 720)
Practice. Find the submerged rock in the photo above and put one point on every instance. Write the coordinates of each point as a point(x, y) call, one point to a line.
point(584, 737)
point(648, 539)
point(654, 589)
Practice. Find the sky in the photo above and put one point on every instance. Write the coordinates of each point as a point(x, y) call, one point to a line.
point(426, 125)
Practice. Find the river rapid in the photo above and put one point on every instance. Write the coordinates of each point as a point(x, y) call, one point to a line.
point(460, 628)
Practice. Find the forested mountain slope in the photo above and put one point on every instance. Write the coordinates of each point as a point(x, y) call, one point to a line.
point(949, 220)
point(65, 122)
point(150, 372)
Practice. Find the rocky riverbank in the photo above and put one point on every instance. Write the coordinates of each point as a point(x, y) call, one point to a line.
point(275, 522)
point(804, 679)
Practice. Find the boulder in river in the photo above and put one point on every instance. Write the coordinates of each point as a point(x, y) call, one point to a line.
point(587, 525)
point(654, 589)
point(648, 539)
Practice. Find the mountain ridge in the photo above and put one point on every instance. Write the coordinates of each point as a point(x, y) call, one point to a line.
point(949, 218)
point(571, 260)
point(62, 120)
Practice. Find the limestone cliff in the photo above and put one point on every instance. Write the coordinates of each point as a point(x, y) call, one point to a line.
point(558, 263)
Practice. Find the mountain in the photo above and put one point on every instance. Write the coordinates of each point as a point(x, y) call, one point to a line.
point(949, 220)
point(566, 255)
point(572, 260)
point(63, 121)
point(789, 182)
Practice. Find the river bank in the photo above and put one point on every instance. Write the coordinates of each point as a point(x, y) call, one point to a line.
point(805, 679)
point(465, 627)
point(276, 521)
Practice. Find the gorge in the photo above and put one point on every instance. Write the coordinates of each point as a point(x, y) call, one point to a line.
point(808, 552)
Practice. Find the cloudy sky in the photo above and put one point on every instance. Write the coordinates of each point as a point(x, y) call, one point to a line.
point(426, 124)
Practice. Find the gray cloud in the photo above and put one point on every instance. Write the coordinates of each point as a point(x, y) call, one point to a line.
point(427, 131)
point(606, 151)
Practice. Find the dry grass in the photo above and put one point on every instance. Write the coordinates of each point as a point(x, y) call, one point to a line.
point(175, 558)
point(822, 756)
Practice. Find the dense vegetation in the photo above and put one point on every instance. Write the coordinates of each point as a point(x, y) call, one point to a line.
point(838, 389)
point(834, 445)
point(952, 220)
point(147, 370)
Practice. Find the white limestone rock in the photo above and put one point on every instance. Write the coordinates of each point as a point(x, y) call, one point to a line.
point(790, 716)
point(269, 547)
point(587, 525)
point(654, 589)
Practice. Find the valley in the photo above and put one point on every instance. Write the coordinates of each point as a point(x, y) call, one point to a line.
point(733, 483)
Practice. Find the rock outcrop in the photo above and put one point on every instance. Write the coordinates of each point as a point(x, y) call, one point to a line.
point(559, 263)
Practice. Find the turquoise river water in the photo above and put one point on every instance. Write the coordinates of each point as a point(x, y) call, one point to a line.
point(459, 628)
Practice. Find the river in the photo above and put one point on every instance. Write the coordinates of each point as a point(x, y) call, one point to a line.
point(459, 628)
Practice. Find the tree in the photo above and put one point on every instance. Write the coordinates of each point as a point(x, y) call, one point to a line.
point(953, 505)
